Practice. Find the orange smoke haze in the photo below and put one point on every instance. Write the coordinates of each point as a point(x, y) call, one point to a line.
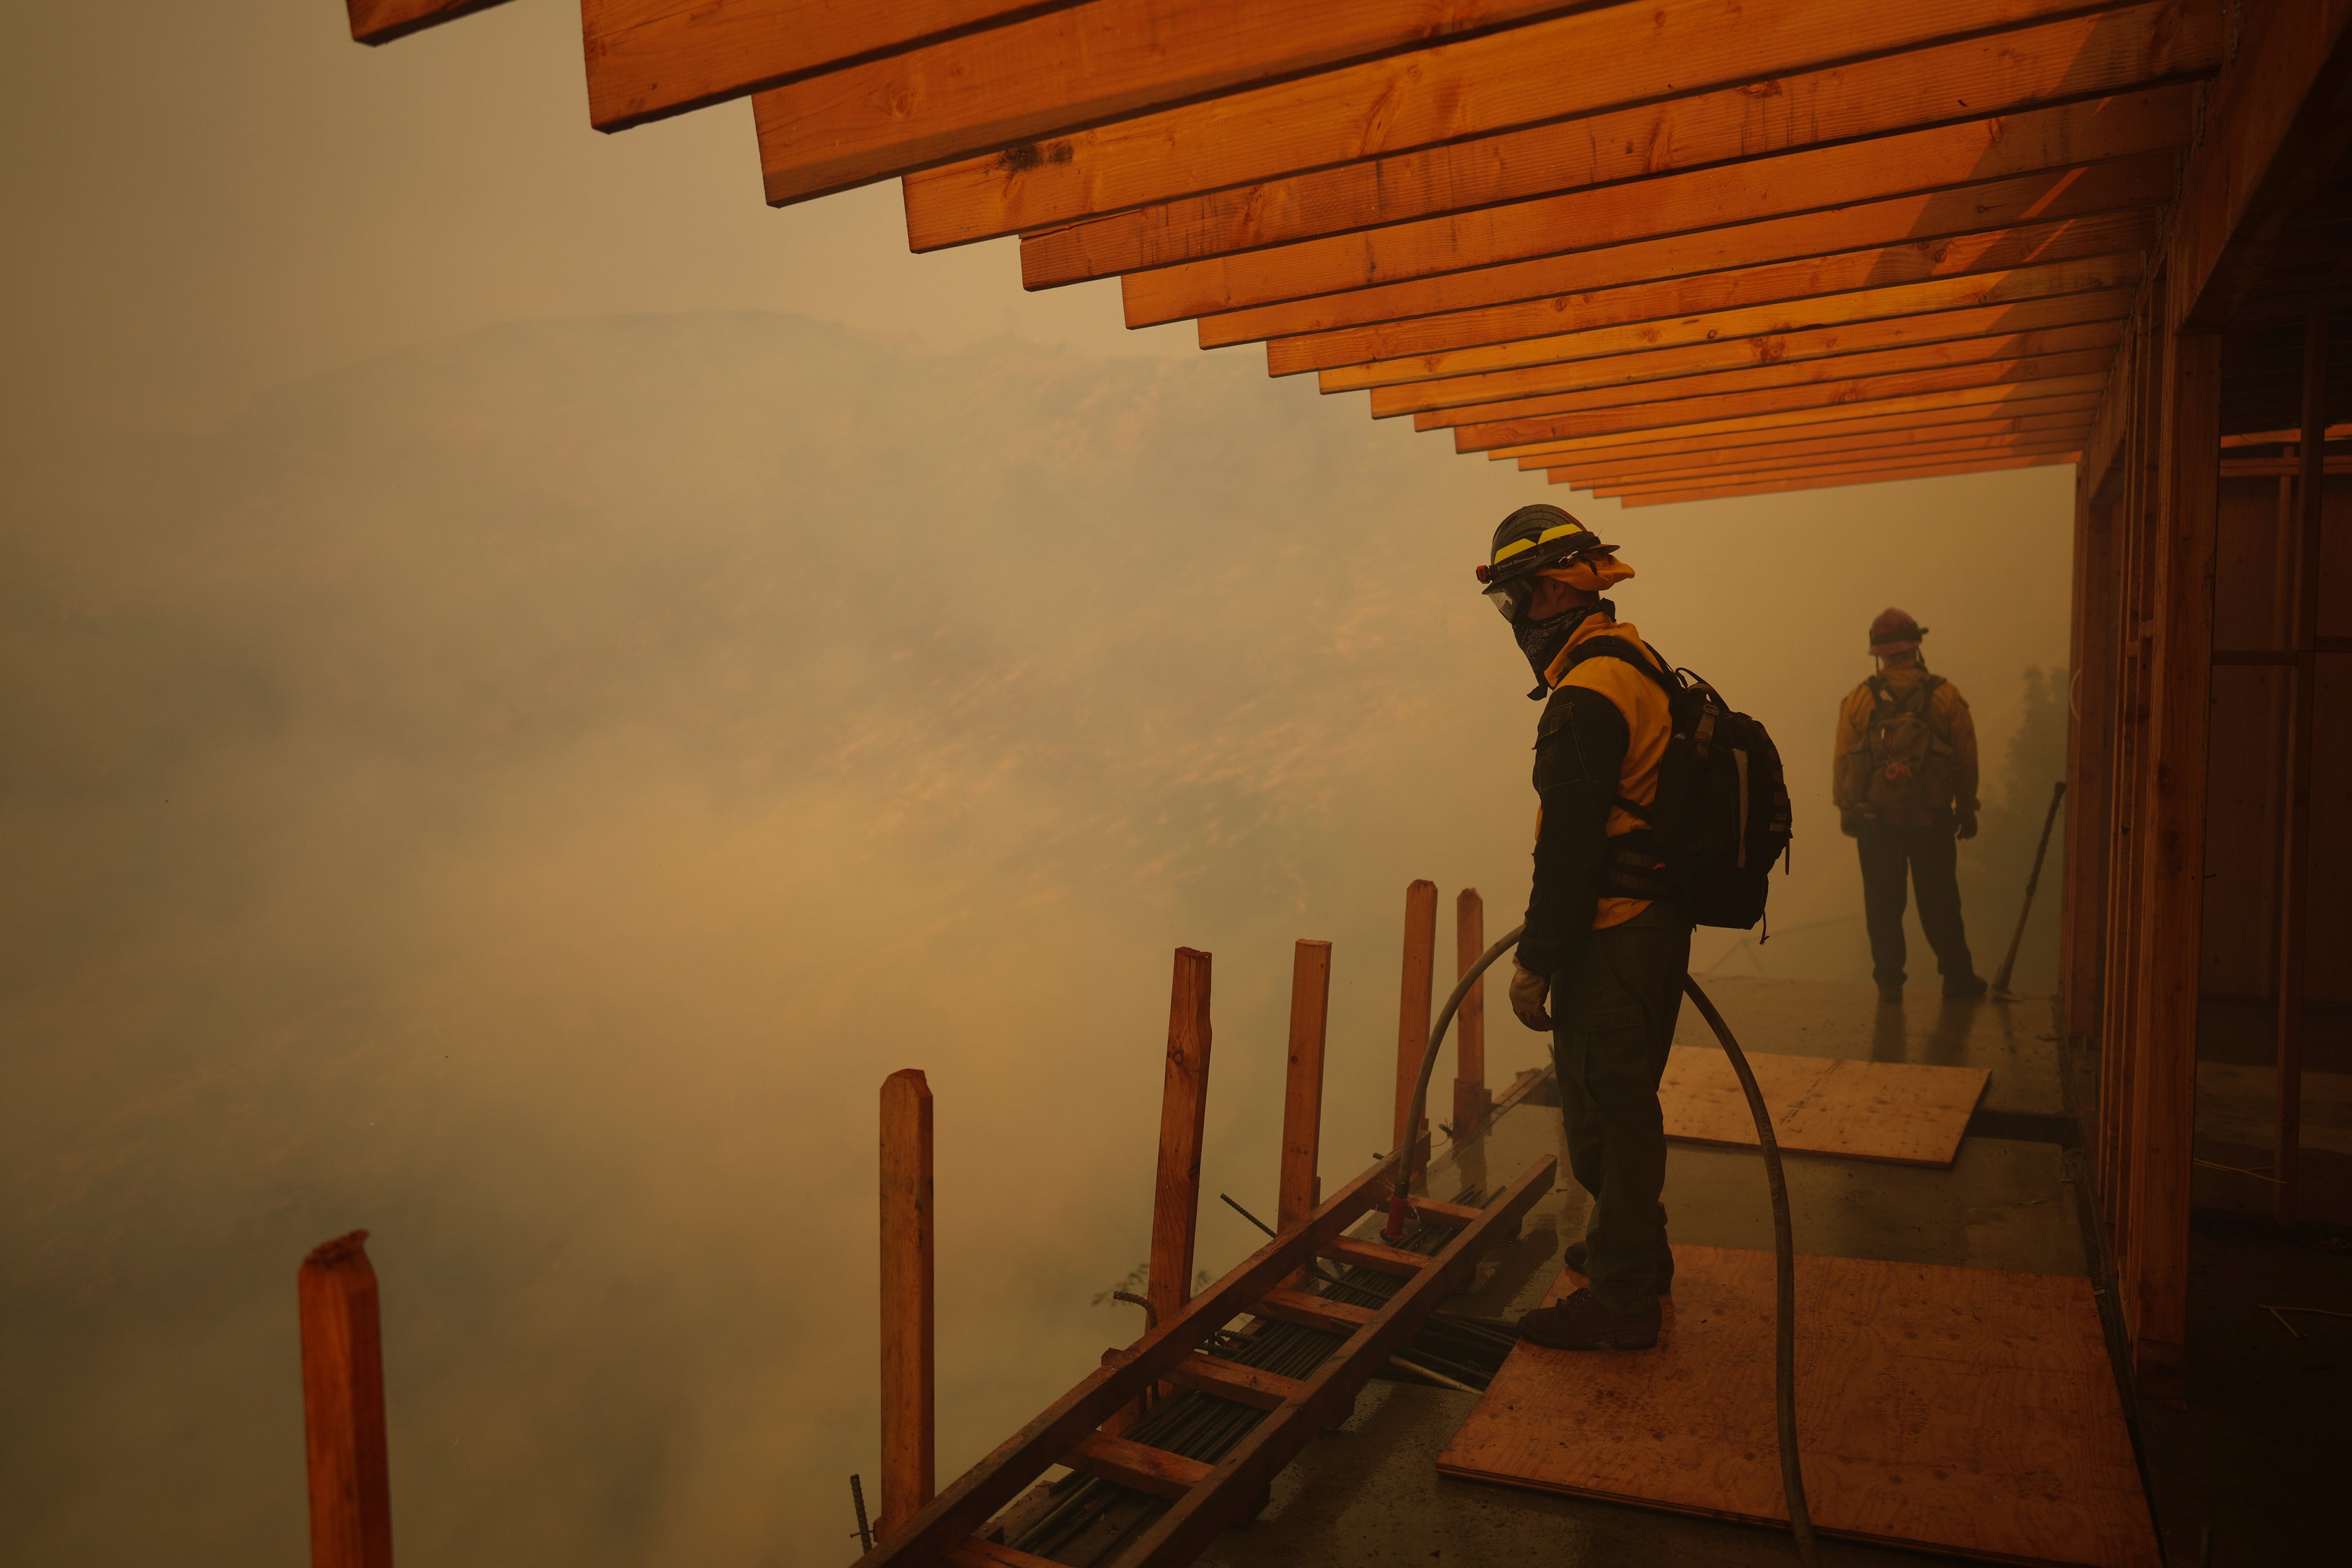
point(533, 682)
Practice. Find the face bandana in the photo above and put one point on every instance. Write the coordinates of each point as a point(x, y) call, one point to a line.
point(1543, 641)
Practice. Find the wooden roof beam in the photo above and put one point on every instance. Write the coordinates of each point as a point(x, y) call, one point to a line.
point(1972, 362)
point(1003, 88)
point(381, 21)
point(649, 59)
point(2119, 238)
point(1379, 114)
point(2281, 111)
point(1915, 415)
point(2280, 121)
point(1927, 221)
point(2082, 57)
point(2284, 438)
point(1722, 491)
point(1948, 159)
point(1606, 482)
point(1893, 443)
point(1968, 387)
point(1806, 440)
point(1757, 323)
point(1931, 337)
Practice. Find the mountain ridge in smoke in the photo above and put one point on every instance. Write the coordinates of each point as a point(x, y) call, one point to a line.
point(521, 795)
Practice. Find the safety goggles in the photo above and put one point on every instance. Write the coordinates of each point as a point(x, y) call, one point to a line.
point(1511, 599)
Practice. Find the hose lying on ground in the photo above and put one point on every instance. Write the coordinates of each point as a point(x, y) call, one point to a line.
point(1784, 1247)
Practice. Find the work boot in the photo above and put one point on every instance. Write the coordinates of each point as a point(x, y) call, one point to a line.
point(1582, 1323)
point(1964, 986)
point(1577, 1254)
point(1890, 993)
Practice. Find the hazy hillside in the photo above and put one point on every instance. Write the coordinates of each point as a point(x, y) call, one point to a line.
point(521, 796)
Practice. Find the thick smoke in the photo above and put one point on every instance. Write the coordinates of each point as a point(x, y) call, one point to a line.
point(523, 796)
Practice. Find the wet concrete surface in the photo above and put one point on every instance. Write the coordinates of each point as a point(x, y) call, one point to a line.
point(2246, 1475)
point(2237, 1109)
point(1370, 1493)
point(2014, 1041)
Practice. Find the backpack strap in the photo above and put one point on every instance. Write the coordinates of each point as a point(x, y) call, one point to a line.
point(1634, 871)
point(1890, 706)
point(1654, 667)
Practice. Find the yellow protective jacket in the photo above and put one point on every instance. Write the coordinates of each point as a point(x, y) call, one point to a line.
point(1947, 717)
point(1625, 738)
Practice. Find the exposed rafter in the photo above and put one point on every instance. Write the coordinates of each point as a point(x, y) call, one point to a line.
point(1771, 240)
point(1524, 114)
point(1765, 485)
point(1838, 352)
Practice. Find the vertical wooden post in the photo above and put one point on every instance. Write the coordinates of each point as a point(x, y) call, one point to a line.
point(2119, 1044)
point(1472, 1103)
point(1413, 1001)
point(2090, 741)
point(2172, 853)
point(2294, 840)
point(909, 1464)
point(1302, 1099)
point(342, 1406)
point(1183, 1114)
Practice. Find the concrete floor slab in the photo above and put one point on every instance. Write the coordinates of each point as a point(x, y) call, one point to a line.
point(2014, 1041)
point(1370, 1493)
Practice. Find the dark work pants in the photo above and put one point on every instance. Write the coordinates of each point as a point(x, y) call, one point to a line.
point(1931, 857)
point(1613, 1010)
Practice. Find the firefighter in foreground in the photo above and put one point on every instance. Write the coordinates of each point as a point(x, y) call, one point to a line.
point(1905, 786)
point(1604, 940)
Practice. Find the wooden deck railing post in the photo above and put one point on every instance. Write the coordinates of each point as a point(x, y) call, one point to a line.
point(342, 1406)
point(1183, 1113)
point(910, 1448)
point(1413, 1005)
point(1472, 1102)
point(1302, 1099)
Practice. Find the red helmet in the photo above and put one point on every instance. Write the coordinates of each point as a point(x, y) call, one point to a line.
point(1894, 632)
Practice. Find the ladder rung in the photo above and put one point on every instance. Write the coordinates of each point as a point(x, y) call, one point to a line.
point(1230, 1380)
point(1436, 1212)
point(1137, 1465)
point(1312, 1312)
point(989, 1554)
point(1373, 1256)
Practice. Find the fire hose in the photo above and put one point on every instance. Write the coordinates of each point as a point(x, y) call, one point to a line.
point(1784, 1328)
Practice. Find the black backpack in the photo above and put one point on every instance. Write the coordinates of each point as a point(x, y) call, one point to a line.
point(1721, 818)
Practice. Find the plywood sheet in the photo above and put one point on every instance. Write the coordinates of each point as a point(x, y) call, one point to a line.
point(1901, 1111)
point(1962, 1410)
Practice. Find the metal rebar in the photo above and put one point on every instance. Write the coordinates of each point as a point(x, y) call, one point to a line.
point(1436, 1377)
point(864, 1528)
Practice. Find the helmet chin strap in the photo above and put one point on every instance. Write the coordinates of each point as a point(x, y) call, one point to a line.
point(1543, 641)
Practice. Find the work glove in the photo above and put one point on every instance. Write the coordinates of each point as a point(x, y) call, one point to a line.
point(1850, 823)
point(1529, 990)
point(1968, 824)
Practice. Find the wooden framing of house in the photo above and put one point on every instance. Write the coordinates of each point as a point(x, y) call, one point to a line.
point(1727, 247)
point(2199, 563)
